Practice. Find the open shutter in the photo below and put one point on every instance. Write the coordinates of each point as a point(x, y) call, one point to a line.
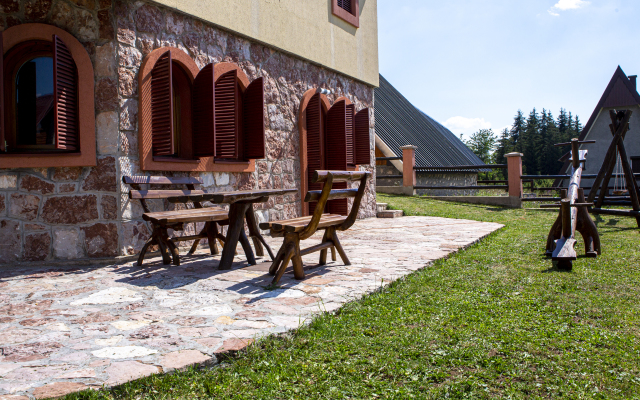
point(351, 109)
point(362, 144)
point(65, 88)
point(162, 107)
point(204, 142)
point(253, 120)
point(315, 156)
point(2, 138)
point(336, 144)
point(227, 115)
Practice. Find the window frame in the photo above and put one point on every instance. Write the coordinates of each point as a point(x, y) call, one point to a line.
point(85, 156)
point(352, 18)
point(148, 162)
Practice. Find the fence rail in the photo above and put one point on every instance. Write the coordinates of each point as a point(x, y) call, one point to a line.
point(506, 187)
point(448, 167)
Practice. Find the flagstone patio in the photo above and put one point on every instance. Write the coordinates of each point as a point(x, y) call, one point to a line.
point(67, 329)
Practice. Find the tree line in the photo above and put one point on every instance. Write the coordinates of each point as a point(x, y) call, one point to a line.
point(533, 136)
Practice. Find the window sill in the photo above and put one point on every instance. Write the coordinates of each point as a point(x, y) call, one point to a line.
point(46, 160)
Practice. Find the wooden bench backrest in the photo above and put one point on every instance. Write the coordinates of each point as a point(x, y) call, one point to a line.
point(326, 194)
point(142, 195)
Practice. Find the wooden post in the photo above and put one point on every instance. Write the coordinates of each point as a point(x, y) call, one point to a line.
point(408, 171)
point(514, 172)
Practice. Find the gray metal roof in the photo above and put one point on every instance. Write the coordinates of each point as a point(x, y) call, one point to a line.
point(399, 123)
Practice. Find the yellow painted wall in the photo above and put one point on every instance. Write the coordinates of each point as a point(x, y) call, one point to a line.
point(305, 28)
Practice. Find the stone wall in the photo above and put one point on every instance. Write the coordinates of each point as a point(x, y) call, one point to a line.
point(447, 179)
point(70, 213)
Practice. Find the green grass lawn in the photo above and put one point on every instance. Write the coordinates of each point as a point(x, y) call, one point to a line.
point(494, 320)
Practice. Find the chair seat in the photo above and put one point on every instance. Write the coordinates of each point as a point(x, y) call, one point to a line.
point(183, 216)
point(299, 224)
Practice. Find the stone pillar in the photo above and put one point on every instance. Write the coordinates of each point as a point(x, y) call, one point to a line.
point(514, 171)
point(408, 171)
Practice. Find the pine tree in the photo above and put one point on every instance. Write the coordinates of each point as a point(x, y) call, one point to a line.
point(516, 131)
point(530, 143)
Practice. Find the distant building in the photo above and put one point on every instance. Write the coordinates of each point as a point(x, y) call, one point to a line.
point(400, 123)
point(621, 94)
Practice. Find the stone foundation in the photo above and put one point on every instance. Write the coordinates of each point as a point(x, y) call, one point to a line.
point(75, 213)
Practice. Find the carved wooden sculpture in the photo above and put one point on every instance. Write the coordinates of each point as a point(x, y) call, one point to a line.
point(574, 215)
point(297, 229)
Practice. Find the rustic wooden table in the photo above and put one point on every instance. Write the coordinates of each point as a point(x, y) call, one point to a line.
point(240, 209)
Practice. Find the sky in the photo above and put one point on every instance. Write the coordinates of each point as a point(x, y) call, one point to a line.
point(471, 64)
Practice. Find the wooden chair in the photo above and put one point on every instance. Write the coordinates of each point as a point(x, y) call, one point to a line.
point(163, 220)
point(297, 229)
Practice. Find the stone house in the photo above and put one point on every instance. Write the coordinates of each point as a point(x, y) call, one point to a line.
point(61, 196)
point(400, 123)
point(620, 94)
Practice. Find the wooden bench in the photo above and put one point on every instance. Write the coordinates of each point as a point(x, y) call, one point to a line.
point(297, 229)
point(163, 220)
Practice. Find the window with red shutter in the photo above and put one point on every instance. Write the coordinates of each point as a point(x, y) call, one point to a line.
point(348, 10)
point(253, 120)
point(2, 139)
point(204, 143)
point(171, 97)
point(65, 89)
point(226, 116)
point(333, 139)
point(41, 106)
point(351, 109)
point(315, 142)
point(361, 138)
point(192, 119)
point(162, 106)
point(46, 99)
point(337, 153)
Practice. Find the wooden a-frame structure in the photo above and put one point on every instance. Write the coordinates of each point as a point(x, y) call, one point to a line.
point(619, 127)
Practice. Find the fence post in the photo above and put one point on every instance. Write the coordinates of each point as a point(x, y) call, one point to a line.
point(514, 172)
point(408, 171)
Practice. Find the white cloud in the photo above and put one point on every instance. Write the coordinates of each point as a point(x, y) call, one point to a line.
point(465, 125)
point(555, 14)
point(569, 4)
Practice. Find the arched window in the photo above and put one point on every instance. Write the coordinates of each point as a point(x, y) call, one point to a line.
point(206, 120)
point(47, 101)
point(333, 138)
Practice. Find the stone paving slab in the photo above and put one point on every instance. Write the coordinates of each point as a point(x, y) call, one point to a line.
point(67, 329)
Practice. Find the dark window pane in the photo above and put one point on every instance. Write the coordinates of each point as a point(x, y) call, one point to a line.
point(34, 103)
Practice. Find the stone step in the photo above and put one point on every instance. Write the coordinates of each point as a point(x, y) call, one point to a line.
point(381, 207)
point(390, 214)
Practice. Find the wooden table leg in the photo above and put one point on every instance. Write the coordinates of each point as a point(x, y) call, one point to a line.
point(254, 232)
point(237, 212)
point(248, 251)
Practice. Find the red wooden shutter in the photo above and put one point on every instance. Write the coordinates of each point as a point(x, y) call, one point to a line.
point(162, 107)
point(2, 139)
point(204, 141)
point(226, 115)
point(336, 157)
point(362, 144)
point(315, 156)
point(351, 109)
point(65, 88)
point(253, 120)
